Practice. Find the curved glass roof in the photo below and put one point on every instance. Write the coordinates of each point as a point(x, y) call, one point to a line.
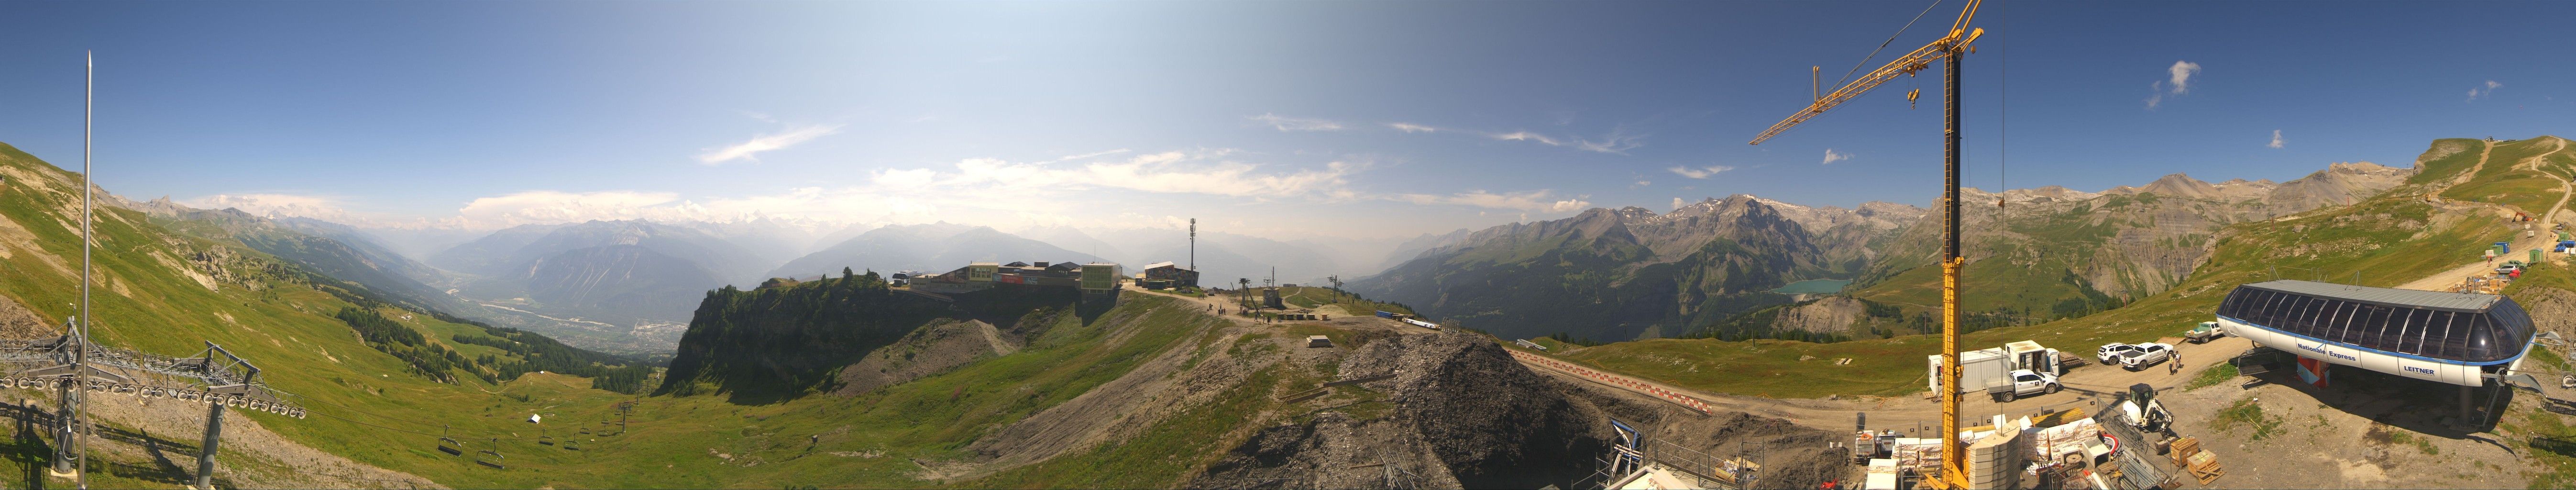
point(2455, 327)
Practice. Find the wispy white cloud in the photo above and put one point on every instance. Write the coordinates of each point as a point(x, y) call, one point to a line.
point(2182, 72)
point(1091, 189)
point(1677, 203)
point(1526, 136)
point(1088, 155)
point(1618, 141)
point(2178, 77)
point(2482, 91)
point(547, 206)
point(2276, 138)
point(750, 150)
point(1539, 200)
point(1699, 172)
point(316, 207)
point(1284, 123)
point(1832, 156)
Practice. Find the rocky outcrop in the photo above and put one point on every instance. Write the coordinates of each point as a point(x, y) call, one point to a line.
point(2339, 184)
point(1465, 415)
point(1833, 314)
point(17, 322)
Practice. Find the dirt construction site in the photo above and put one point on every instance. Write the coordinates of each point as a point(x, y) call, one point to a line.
point(2266, 429)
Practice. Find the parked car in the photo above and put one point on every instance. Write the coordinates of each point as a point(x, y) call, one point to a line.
point(2206, 332)
point(2025, 383)
point(2148, 354)
point(2110, 353)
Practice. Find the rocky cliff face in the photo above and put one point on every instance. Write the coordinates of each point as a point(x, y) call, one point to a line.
point(1832, 314)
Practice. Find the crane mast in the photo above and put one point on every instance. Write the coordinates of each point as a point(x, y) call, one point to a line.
point(1950, 48)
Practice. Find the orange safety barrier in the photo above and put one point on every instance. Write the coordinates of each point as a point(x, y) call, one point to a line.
point(1616, 380)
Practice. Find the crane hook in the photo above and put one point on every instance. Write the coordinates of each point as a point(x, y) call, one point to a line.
point(1910, 95)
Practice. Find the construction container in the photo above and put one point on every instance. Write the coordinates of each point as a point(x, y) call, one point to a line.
point(1978, 370)
point(2028, 354)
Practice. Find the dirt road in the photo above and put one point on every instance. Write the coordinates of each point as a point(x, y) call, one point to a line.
point(2539, 241)
point(1214, 304)
point(2087, 387)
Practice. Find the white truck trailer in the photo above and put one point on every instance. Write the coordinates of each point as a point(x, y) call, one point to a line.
point(1978, 370)
point(1990, 371)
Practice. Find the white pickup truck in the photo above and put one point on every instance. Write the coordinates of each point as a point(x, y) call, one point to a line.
point(2025, 382)
point(2147, 354)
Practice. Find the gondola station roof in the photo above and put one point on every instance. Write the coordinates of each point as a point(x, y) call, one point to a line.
point(2402, 298)
point(2449, 328)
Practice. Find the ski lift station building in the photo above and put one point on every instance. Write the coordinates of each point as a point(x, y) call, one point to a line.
point(2456, 338)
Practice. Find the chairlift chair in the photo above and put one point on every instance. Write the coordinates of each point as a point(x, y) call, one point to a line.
point(495, 458)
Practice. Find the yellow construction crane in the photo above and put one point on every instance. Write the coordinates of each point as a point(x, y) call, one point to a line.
point(1950, 47)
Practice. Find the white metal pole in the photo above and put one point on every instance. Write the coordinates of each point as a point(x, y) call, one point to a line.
point(89, 92)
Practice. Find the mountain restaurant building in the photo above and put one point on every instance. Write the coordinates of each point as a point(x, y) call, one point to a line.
point(1171, 275)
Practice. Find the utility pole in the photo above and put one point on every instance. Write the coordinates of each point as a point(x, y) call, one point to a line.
point(1337, 287)
point(72, 393)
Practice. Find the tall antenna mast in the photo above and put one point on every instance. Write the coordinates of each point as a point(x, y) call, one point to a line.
point(80, 352)
point(1194, 244)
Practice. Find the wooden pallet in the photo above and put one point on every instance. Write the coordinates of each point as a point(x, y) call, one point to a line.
point(2209, 473)
point(2205, 467)
point(2183, 449)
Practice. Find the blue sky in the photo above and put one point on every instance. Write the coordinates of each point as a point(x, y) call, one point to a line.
point(1276, 119)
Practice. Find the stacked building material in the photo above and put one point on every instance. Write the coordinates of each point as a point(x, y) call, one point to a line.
point(1994, 462)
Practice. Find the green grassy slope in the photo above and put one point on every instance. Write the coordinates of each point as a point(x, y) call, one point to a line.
point(367, 406)
point(2506, 181)
point(165, 292)
point(2038, 260)
point(2391, 239)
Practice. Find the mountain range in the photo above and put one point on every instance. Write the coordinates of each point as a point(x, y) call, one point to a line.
point(1620, 274)
point(1631, 273)
point(933, 248)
